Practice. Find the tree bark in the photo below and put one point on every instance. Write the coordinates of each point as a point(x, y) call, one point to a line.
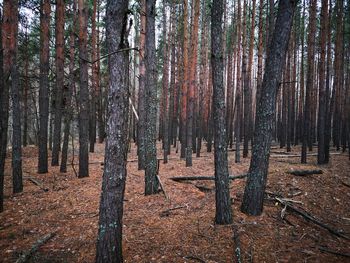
point(58, 98)
point(192, 84)
point(94, 80)
point(109, 241)
point(151, 181)
point(84, 92)
point(44, 85)
point(16, 107)
point(322, 74)
point(141, 124)
point(68, 114)
point(310, 80)
point(256, 183)
point(223, 214)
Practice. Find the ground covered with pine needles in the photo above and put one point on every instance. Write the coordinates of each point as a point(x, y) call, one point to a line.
point(180, 228)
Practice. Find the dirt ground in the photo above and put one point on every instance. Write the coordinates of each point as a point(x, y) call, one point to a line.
point(68, 206)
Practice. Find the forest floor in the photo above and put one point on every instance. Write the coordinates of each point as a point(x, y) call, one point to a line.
point(68, 206)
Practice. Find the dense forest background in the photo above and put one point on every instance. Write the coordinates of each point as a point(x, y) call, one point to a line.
point(171, 78)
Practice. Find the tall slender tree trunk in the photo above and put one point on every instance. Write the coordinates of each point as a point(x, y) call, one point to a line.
point(109, 241)
point(25, 90)
point(56, 146)
point(5, 72)
point(310, 79)
point(94, 80)
point(248, 88)
point(84, 92)
point(238, 85)
point(16, 106)
point(151, 181)
point(257, 176)
point(165, 89)
point(68, 114)
point(44, 85)
point(184, 86)
point(4, 98)
point(260, 53)
point(223, 214)
point(322, 75)
point(141, 125)
point(192, 83)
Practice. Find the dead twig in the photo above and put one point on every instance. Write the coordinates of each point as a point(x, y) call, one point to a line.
point(311, 218)
point(326, 250)
point(27, 255)
point(203, 178)
point(167, 212)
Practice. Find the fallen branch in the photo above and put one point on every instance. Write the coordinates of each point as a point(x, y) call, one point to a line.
point(203, 178)
point(167, 212)
point(345, 183)
point(334, 252)
point(194, 258)
point(162, 187)
point(36, 182)
point(311, 218)
point(304, 172)
point(298, 155)
point(27, 255)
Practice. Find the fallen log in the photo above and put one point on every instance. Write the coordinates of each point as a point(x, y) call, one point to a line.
point(167, 212)
point(36, 182)
point(162, 188)
point(27, 255)
point(304, 172)
point(347, 255)
point(298, 155)
point(311, 218)
point(203, 178)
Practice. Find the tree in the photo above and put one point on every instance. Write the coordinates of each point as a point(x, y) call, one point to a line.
point(94, 80)
point(3, 119)
point(151, 181)
point(141, 124)
point(84, 92)
point(223, 213)
point(68, 113)
point(255, 187)
point(109, 242)
point(16, 107)
point(248, 122)
point(322, 96)
point(58, 93)
point(310, 79)
point(44, 85)
point(192, 84)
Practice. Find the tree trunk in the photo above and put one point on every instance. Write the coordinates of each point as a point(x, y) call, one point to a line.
point(223, 214)
point(68, 114)
point(25, 90)
point(310, 80)
point(94, 80)
point(248, 122)
point(192, 84)
point(84, 92)
point(44, 85)
point(238, 86)
point(4, 100)
point(256, 183)
point(151, 181)
point(141, 125)
point(322, 74)
point(184, 82)
point(16, 107)
point(56, 146)
point(109, 241)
